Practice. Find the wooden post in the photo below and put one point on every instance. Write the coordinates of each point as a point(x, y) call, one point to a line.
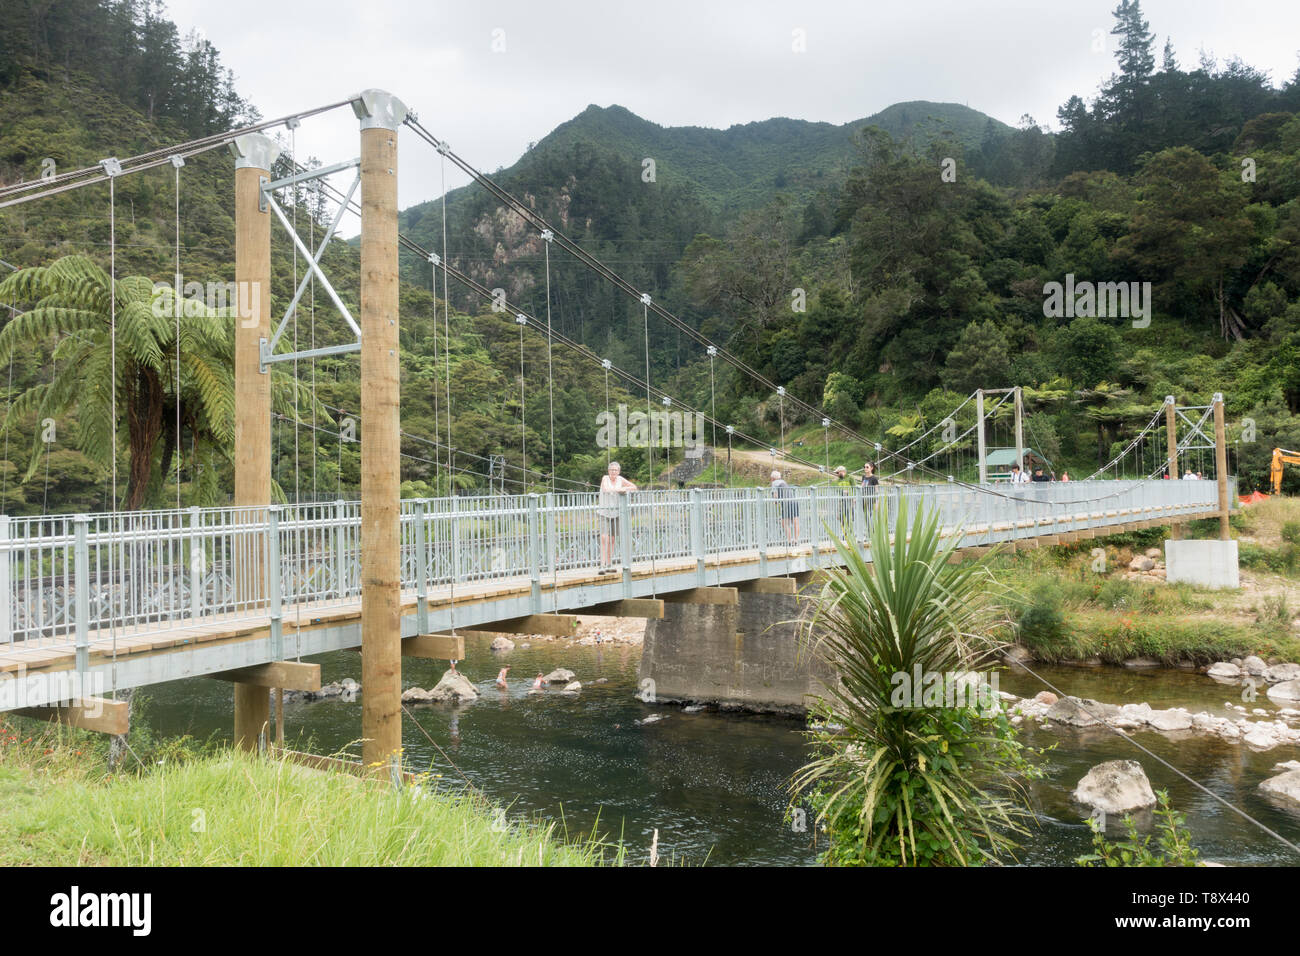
point(381, 607)
point(980, 440)
point(1221, 465)
point(254, 156)
point(1171, 465)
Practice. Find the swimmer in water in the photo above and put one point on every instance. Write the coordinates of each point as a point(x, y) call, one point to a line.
point(501, 677)
point(537, 682)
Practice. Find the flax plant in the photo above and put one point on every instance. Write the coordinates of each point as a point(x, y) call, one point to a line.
point(909, 785)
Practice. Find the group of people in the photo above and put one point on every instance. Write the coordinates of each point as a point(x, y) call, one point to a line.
point(789, 507)
point(1021, 476)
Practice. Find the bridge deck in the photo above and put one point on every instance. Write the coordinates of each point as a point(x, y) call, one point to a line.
point(133, 656)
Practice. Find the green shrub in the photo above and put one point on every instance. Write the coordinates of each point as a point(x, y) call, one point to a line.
point(1041, 621)
point(1173, 848)
point(1291, 532)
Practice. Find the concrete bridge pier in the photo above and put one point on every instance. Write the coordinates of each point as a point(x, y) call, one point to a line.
point(736, 648)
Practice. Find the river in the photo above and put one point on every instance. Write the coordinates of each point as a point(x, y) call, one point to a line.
point(713, 783)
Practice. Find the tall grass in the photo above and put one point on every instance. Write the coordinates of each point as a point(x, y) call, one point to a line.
point(233, 809)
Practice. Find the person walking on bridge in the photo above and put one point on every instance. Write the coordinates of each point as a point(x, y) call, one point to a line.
point(787, 508)
point(869, 485)
point(612, 485)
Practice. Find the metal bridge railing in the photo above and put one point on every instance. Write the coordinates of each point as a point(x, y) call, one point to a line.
point(65, 577)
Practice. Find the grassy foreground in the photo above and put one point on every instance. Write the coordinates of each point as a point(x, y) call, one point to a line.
point(1073, 611)
point(59, 806)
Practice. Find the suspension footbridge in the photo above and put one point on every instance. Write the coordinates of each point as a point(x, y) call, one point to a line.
point(97, 604)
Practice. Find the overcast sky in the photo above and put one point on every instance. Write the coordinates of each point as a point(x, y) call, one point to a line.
point(701, 62)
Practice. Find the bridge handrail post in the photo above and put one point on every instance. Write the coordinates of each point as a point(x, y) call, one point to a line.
point(421, 567)
point(534, 552)
point(697, 533)
point(625, 541)
point(81, 582)
point(760, 528)
point(196, 562)
point(340, 554)
point(552, 545)
point(274, 596)
point(6, 583)
point(860, 515)
point(455, 539)
point(815, 532)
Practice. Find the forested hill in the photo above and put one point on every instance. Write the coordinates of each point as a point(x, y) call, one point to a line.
point(740, 167)
point(880, 269)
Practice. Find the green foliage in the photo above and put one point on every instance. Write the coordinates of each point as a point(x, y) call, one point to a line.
point(1173, 845)
point(909, 785)
point(1041, 622)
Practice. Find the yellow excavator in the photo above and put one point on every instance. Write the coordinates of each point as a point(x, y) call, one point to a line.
point(1281, 457)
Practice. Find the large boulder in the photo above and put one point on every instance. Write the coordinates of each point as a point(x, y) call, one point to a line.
point(573, 687)
point(1282, 672)
point(1286, 786)
point(1224, 671)
point(1287, 690)
point(501, 643)
point(1254, 666)
point(416, 695)
point(1081, 713)
point(1141, 563)
point(1116, 786)
point(453, 688)
point(1015, 654)
point(1169, 720)
point(561, 675)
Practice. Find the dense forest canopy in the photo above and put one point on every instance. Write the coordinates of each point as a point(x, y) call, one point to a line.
point(880, 270)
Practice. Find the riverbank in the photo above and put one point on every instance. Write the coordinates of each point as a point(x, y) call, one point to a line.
point(214, 806)
point(1078, 605)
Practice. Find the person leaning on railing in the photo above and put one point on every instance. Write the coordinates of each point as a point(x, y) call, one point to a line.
point(612, 485)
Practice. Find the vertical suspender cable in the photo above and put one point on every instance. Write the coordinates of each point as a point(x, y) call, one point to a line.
point(446, 350)
point(176, 304)
point(311, 234)
point(437, 399)
point(112, 329)
point(649, 408)
point(523, 412)
point(550, 378)
point(293, 163)
point(713, 408)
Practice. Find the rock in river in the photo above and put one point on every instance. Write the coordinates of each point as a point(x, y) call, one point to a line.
point(453, 687)
point(561, 675)
point(1116, 786)
point(1282, 672)
point(501, 643)
point(1287, 690)
point(1168, 720)
point(1224, 669)
point(1285, 785)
